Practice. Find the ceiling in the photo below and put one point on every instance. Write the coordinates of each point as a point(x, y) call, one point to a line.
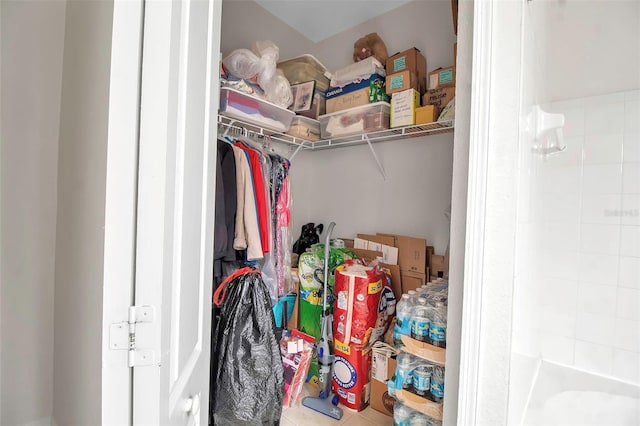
point(318, 20)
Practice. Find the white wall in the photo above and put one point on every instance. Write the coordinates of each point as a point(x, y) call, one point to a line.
point(32, 35)
point(344, 185)
point(81, 200)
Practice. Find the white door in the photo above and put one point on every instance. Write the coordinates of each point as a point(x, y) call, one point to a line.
point(174, 252)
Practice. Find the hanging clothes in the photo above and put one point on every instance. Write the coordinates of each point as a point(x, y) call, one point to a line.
point(247, 234)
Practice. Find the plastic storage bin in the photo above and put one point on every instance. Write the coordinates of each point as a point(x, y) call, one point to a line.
point(238, 105)
point(305, 128)
point(305, 68)
point(357, 120)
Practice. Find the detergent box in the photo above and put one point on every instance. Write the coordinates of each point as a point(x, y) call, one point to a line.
point(352, 375)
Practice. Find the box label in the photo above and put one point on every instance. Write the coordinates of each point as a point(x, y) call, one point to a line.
point(433, 81)
point(399, 64)
point(446, 76)
point(397, 82)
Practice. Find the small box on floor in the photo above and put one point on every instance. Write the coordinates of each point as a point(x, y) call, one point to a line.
point(351, 376)
point(382, 369)
point(403, 108)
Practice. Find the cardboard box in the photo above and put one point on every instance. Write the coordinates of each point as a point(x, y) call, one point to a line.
point(352, 87)
point(455, 53)
point(412, 252)
point(412, 280)
point(430, 252)
point(405, 80)
point(293, 321)
point(409, 60)
point(438, 266)
point(356, 94)
point(403, 108)
point(425, 114)
point(352, 376)
point(348, 100)
point(439, 97)
point(442, 77)
point(380, 399)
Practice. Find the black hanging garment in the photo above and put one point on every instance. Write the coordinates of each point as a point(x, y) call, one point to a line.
point(247, 384)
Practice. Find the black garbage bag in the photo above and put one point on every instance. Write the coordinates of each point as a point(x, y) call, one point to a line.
point(247, 375)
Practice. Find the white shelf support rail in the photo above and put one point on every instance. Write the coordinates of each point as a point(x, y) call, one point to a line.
point(375, 157)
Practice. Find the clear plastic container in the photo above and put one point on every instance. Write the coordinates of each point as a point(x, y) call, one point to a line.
point(402, 414)
point(404, 370)
point(437, 384)
point(238, 105)
point(305, 128)
point(357, 120)
point(305, 68)
point(402, 320)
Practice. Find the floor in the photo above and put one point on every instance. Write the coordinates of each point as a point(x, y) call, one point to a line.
point(303, 416)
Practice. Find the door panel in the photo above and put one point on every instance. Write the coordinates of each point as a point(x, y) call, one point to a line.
point(175, 209)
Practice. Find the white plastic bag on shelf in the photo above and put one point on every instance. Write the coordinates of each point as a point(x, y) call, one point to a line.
point(259, 66)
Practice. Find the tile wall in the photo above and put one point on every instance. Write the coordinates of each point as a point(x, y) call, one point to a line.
point(577, 290)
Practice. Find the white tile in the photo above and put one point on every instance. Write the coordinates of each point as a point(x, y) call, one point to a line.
point(557, 323)
point(562, 236)
point(574, 116)
point(602, 239)
point(602, 179)
point(628, 304)
point(629, 272)
point(559, 295)
point(598, 269)
point(631, 147)
point(626, 366)
point(603, 148)
point(562, 265)
point(632, 95)
point(610, 98)
point(601, 209)
point(560, 208)
point(627, 335)
point(597, 299)
point(630, 209)
point(602, 117)
point(526, 342)
point(564, 106)
point(594, 358)
point(630, 241)
point(631, 178)
point(563, 180)
point(632, 116)
point(557, 348)
point(594, 328)
point(572, 156)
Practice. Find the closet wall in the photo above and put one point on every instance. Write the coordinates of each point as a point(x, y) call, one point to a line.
point(31, 68)
point(344, 185)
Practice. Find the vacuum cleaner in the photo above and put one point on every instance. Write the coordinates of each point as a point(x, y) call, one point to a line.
point(326, 402)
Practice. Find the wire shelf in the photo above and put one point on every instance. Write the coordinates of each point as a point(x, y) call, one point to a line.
point(230, 126)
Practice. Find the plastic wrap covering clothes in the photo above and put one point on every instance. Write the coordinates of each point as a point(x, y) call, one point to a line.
point(247, 382)
point(357, 71)
point(259, 66)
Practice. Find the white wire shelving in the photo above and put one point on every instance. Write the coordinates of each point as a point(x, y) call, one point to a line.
point(234, 127)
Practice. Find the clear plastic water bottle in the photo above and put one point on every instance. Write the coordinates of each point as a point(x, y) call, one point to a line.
point(421, 379)
point(419, 419)
point(403, 308)
point(420, 320)
point(401, 414)
point(438, 325)
point(437, 384)
point(405, 363)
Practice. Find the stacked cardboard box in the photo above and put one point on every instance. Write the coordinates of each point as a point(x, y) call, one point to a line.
point(406, 70)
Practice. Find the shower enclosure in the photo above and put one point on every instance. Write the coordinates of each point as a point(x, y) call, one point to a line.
point(575, 335)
